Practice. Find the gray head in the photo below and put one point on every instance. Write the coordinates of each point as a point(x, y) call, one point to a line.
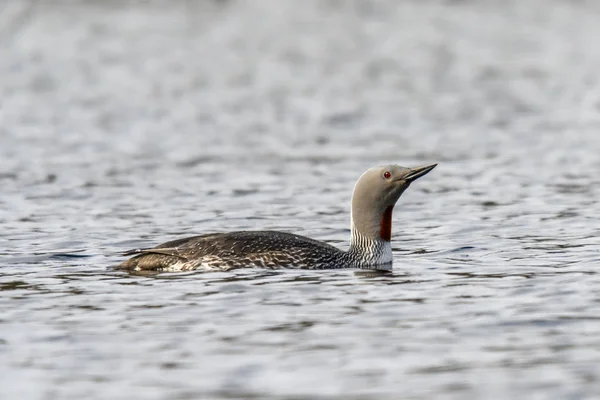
point(375, 195)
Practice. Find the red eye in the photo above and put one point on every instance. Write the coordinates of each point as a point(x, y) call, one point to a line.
point(387, 175)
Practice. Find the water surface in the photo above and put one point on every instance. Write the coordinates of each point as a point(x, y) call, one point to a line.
point(128, 125)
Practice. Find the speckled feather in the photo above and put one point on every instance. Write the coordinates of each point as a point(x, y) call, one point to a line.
point(244, 249)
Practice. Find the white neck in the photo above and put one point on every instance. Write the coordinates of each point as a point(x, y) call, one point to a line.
point(369, 252)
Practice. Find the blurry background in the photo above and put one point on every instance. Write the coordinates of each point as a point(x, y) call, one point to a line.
point(129, 123)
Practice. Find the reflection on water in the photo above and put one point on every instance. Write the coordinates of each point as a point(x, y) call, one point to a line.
point(125, 127)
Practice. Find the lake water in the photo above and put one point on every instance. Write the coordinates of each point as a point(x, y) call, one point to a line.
point(127, 124)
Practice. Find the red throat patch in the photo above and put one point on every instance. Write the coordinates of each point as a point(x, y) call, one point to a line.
point(385, 228)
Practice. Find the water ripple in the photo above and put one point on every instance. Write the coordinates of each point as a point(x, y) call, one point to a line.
point(126, 127)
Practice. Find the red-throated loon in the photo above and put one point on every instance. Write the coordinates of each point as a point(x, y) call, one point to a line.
point(373, 200)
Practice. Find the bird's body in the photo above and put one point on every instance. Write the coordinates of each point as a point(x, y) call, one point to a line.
point(224, 251)
point(372, 203)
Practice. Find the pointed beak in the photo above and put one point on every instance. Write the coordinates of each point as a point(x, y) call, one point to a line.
point(416, 173)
